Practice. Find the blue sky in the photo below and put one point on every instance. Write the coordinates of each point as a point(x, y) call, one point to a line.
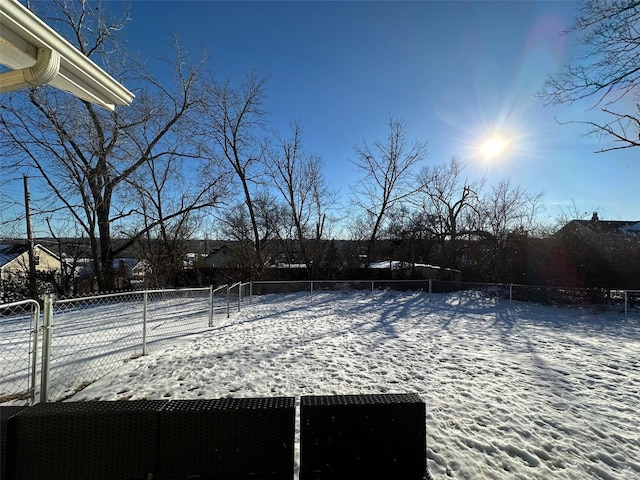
point(453, 71)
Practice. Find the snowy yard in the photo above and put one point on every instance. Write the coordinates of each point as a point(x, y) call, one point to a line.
point(512, 391)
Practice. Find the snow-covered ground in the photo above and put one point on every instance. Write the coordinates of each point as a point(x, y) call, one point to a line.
point(512, 391)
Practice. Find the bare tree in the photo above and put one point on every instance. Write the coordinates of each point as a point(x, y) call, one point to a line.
point(508, 213)
point(86, 155)
point(270, 215)
point(449, 202)
point(410, 235)
point(388, 178)
point(506, 208)
point(269, 218)
point(607, 72)
point(298, 177)
point(170, 202)
point(234, 120)
point(235, 225)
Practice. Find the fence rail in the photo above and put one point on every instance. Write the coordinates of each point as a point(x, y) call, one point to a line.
point(85, 338)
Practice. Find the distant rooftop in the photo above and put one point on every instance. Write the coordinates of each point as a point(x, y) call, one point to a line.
point(9, 252)
point(628, 227)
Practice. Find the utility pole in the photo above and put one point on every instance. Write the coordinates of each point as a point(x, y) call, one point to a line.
point(33, 286)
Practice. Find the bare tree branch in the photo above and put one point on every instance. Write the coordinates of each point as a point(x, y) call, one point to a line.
point(87, 156)
point(388, 177)
point(234, 121)
point(609, 69)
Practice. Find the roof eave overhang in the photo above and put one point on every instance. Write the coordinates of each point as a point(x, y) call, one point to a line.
point(39, 55)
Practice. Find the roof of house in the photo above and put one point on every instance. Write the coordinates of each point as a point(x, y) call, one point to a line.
point(633, 228)
point(11, 251)
point(220, 249)
point(611, 226)
point(397, 265)
point(128, 262)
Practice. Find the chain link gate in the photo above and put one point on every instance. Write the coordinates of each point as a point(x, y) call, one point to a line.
point(19, 329)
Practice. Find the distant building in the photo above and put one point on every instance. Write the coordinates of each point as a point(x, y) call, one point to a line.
point(14, 260)
point(603, 229)
point(123, 270)
point(406, 270)
point(602, 252)
point(609, 236)
point(14, 267)
point(126, 270)
point(139, 272)
point(219, 257)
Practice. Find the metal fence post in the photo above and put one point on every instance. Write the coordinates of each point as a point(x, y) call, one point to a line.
point(626, 300)
point(228, 302)
point(47, 330)
point(510, 293)
point(311, 288)
point(35, 312)
point(145, 297)
point(250, 291)
point(239, 295)
point(430, 286)
point(372, 287)
point(210, 305)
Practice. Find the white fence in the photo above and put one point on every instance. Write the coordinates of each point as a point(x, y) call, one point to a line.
point(85, 338)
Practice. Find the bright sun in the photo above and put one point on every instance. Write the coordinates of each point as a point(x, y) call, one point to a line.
point(493, 147)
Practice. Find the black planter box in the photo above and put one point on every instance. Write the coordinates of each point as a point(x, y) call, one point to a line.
point(84, 440)
point(5, 413)
point(362, 436)
point(341, 438)
point(234, 438)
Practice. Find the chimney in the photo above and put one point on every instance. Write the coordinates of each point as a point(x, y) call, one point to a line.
point(594, 218)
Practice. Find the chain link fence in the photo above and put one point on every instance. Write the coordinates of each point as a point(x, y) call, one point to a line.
point(625, 301)
point(632, 304)
point(92, 336)
point(285, 287)
point(236, 295)
point(19, 352)
point(85, 338)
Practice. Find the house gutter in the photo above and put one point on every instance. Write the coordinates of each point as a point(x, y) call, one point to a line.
point(26, 41)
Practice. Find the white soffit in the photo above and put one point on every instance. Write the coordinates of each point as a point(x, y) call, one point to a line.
point(38, 56)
